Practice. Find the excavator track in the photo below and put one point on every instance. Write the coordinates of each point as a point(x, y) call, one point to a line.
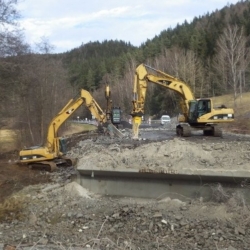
point(217, 131)
point(183, 131)
point(49, 166)
point(213, 131)
point(52, 166)
point(186, 131)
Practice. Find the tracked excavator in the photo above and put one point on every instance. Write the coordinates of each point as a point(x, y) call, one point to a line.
point(197, 114)
point(52, 154)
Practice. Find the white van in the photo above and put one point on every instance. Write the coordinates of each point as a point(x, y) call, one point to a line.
point(165, 119)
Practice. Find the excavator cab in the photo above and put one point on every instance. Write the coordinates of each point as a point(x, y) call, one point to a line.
point(62, 145)
point(116, 115)
point(198, 108)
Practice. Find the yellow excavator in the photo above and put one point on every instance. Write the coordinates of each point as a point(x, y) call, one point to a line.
point(197, 114)
point(52, 153)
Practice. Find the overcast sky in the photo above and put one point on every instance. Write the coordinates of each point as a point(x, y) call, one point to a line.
point(69, 23)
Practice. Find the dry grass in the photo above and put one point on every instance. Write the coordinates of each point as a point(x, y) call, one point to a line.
point(241, 112)
point(235, 202)
point(8, 140)
point(229, 99)
point(219, 194)
point(12, 208)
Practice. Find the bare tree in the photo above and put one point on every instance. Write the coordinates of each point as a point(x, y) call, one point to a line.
point(184, 65)
point(232, 58)
point(11, 38)
point(11, 44)
point(121, 88)
point(188, 67)
point(43, 89)
point(8, 12)
point(44, 46)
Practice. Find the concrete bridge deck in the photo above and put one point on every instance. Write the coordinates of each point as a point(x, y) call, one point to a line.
point(186, 184)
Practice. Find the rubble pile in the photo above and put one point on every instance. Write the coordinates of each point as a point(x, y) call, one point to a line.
point(173, 154)
point(61, 214)
point(66, 216)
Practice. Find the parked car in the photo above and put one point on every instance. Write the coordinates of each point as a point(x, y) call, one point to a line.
point(165, 119)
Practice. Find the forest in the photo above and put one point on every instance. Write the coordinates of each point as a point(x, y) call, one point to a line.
point(210, 53)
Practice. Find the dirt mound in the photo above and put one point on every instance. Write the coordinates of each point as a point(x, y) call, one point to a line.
point(177, 154)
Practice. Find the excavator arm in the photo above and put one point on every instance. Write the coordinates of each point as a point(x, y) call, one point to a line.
point(145, 74)
point(85, 98)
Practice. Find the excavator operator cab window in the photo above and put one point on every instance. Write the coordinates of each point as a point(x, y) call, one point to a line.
point(204, 107)
point(116, 115)
point(192, 115)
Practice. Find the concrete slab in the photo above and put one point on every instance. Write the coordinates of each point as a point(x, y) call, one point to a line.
point(185, 185)
point(185, 173)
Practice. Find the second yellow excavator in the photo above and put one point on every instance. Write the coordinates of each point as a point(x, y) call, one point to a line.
point(52, 153)
point(197, 114)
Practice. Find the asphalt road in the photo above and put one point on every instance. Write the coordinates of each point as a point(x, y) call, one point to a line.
point(157, 132)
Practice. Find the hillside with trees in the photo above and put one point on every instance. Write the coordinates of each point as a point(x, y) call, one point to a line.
point(211, 54)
